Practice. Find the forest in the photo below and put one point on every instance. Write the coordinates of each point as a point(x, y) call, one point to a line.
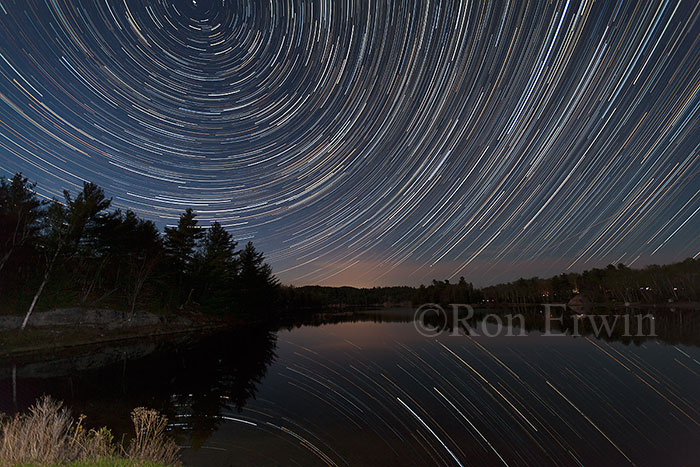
point(652, 284)
point(75, 251)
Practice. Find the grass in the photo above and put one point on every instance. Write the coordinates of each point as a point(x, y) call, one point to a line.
point(114, 462)
point(48, 435)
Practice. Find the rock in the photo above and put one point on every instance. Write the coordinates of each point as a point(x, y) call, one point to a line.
point(10, 322)
point(110, 319)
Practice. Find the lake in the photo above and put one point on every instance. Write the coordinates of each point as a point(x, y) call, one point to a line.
point(369, 388)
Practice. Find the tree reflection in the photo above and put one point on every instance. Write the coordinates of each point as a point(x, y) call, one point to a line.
point(193, 382)
point(197, 380)
point(223, 374)
point(671, 326)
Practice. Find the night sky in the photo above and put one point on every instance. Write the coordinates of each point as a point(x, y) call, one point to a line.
point(368, 142)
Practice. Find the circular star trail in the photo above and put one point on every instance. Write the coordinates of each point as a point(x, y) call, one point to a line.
point(372, 142)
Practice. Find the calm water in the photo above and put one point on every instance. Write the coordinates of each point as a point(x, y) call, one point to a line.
point(368, 389)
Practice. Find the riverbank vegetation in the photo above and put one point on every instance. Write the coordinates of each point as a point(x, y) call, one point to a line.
point(76, 252)
point(48, 435)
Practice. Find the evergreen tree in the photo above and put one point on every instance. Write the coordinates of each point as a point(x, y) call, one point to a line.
point(20, 214)
point(180, 248)
point(256, 283)
point(131, 248)
point(64, 228)
point(217, 268)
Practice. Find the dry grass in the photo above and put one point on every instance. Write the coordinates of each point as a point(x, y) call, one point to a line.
point(48, 435)
point(150, 443)
point(39, 436)
point(91, 444)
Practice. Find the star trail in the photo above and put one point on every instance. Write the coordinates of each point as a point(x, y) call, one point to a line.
point(379, 394)
point(370, 143)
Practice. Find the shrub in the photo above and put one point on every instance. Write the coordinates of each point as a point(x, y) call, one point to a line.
point(150, 443)
point(48, 435)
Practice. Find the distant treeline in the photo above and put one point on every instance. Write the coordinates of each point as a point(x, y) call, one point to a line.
point(314, 296)
point(77, 252)
point(679, 282)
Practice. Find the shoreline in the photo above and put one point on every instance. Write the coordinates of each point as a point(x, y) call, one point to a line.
point(77, 338)
point(28, 351)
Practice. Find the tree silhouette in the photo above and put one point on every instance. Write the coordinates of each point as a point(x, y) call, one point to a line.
point(131, 249)
point(255, 279)
point(217, 269)
point(65, 226)
point(20, 213)
point(180, 248)
point(74, 251)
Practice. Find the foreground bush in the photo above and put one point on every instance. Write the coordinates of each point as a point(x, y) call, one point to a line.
point(48, 435)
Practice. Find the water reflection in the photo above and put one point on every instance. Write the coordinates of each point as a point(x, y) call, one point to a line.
point(366, 388)
point(198, 378)
point(219, 375)
point(628, 325)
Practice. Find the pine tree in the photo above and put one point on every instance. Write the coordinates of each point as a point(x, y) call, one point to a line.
point(20, 213)
point(180, 248)
point(217, 268)
point(64, 229)
point(256, 283)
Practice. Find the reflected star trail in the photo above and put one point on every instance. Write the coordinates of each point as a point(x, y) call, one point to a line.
point(378, 393)
point(372, 142)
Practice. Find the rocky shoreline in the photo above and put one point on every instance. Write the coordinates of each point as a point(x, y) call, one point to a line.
point(72, 331)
